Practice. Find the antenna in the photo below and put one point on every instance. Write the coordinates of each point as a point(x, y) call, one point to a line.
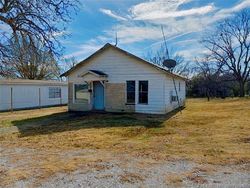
point(170, 64)
point(116, 39)
point(165, 41)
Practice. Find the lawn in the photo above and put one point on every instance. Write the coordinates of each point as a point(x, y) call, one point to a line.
point(215, 132)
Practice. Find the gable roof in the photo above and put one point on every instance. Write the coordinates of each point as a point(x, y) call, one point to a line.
point(108, 45)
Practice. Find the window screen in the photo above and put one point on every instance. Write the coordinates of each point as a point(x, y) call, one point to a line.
point(131, 92)
point(81, 93)
point(54, 92)
point(143, 92)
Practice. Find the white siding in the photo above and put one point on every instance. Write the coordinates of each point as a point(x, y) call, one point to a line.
point(169, 86)
point(120, 67)
point(27, 96)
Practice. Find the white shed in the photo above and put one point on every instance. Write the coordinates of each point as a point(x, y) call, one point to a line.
point(22, 94)
point(115, 80)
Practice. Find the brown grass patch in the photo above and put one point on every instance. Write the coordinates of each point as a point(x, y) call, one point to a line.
point(195, 175)
point(174, 179)
point(129, 177)
point(215, 132)
point(195, 178)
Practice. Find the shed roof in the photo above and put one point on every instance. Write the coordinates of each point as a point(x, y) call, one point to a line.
point(108, 45)
point(32, 82)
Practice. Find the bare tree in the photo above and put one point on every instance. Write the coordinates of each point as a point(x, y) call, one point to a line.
point(68, 63)
point(38, 20)
point(229, 45)
point(164, 53)
point(29, 60)
point(209, 75)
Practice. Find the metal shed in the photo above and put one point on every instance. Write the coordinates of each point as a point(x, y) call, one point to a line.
point(22, 94)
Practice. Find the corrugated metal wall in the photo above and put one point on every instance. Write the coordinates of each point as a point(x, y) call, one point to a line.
point(14, 96)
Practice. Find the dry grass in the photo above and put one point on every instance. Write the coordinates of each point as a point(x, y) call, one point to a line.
point(215, 132)
point(129, 177)
point(195, 175)
point(174, 179)
point(7, 118)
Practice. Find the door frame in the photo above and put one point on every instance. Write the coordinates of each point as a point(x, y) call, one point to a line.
point(103, 85)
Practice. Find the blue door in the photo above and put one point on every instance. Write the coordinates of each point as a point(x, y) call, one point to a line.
point(98, 96)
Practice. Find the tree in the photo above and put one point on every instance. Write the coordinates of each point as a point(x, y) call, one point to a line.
point(208, 76)
point(29, 60)
point(37, 20)
point(164, 53)
point(229, 45)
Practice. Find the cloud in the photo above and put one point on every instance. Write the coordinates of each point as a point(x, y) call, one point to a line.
point(161, 42)
point(160, 14)
point(134, 33)
point(142, 9)
point(244, 4)
point(159, 9)
point(229, 11)
point(112, 14)
point(84, 50)
point(145, 21)
point(5, 28)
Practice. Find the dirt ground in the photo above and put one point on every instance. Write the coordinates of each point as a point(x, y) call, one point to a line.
point(205, 145)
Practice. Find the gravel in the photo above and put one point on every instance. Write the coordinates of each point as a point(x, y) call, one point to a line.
point(125, 171)
point(152, 177)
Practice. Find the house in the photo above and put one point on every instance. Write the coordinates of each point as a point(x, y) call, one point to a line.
point(115, 80)
point(22, 93)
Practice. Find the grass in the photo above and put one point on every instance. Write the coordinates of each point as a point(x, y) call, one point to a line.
point(215, 132)
point(7, 119)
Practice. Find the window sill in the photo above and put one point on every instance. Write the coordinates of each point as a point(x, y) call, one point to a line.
point(143, 103)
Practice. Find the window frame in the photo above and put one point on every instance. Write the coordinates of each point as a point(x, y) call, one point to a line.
point(130, 103)
point(55, 92)
point(79, 100)
point(173, 98)
point(139, 92)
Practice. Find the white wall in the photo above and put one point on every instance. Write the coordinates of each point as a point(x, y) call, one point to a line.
point(27, 96)
point(120, 68)
point(169, 86)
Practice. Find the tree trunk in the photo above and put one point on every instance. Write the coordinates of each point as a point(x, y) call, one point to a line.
point(242, 88)
point(208, 95)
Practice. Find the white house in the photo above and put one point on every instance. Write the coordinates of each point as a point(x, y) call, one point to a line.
point(114, 80)
point(21, 93)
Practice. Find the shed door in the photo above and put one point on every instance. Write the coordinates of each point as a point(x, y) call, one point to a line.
point(98, 96)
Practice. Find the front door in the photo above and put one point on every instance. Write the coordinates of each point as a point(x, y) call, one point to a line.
point(98, 96)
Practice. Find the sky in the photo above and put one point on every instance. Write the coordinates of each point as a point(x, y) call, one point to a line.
point(137, 24)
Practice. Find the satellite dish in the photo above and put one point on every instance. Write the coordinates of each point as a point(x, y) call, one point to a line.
point(169, 63)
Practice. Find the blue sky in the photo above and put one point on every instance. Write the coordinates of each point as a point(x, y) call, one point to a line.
point(138, 25)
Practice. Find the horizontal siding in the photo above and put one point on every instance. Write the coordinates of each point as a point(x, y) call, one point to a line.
point(169, 86)
point(120, 68)
point(115, 64)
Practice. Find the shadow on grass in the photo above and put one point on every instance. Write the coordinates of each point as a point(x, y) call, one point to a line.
point(69, 121)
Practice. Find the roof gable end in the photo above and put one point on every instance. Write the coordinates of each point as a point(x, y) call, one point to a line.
point(107, 46)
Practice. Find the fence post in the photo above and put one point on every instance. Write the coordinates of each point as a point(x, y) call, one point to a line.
point(39, 95)
point(11, 99)
point(60, 96)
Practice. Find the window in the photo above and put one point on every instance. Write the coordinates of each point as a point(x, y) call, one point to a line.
point(81, 93)
point(54, 92)
point(143, 92)
point(179, 86)
point(173, 98)
point(131, 92)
